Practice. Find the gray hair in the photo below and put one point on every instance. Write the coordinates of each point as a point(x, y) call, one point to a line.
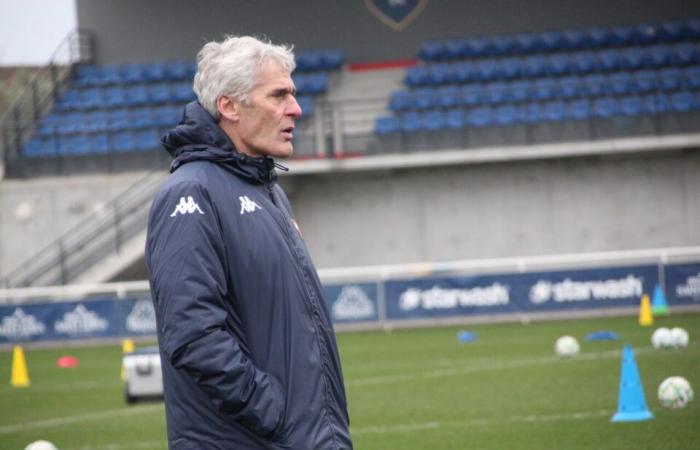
point(231, 68)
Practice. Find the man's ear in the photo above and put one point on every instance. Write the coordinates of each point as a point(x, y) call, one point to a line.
point(228, 108)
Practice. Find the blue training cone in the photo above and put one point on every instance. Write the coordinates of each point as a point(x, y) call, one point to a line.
point(631, 405)
point(658, 303)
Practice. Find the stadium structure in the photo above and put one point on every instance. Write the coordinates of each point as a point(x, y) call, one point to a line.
point(456, 160)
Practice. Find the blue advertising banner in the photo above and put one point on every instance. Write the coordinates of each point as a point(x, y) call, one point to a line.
point(355, 302)
point(682, 283)
point(526, 292)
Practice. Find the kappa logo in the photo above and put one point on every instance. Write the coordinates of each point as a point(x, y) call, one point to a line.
point(188, 206)
point(247, 205)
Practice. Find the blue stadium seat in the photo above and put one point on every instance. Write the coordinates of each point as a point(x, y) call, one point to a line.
point(400, 100)
point(645, 81)
point(558, 64)
point(454, 119)
point(583, 62)
point(158, 93)
point(685, 54)
point(416, 76)
point(692, 77)
point(132, 73)
point(96, 121)
point(86, 75)
point(386, 125)
point(570, 87)
point(146, 139)
point(525, 43)
point(463, 72)
point(136, 95)
point(124, 141)
point(476, 47)
point(471, 95)
point(605, 107)
point(75, 145)
point(669, 79)
point(520, 90)
point(33, 147)
point(550, 41)
point(622, 35)
point(452, 49)
point(110, 74)
point(332, 58)
point(438, 73)
point(658, 56)
point(114, 97)
point(89, 99)
point(177, 70)
point(509, 68)
point(480, 117)
point(307, 106)
point(99, 143)
point(167, 116)
point(598, 37)
point(423, 98)
point(507, 115)
point(573, 39)
point(578, 110)
point(608, 59)
point(48, 125)
point(620, 83)
point(545, 89)
point(646, 33)
point(448, 96)
point(502, 44)
point(632, 58)
point(433, 120)
point(534, 66)
point(142, 118)
point(531, 112)
point(683, 101)
point(308, 60)
point(594, 84)
point(410, 122)
point(631, 105)
point(497, 92)
point(70, 123)
point(692, 28)
point(671, 30)
point(431, 50)
point(182, 92)
point(154, 71)
point(118, 120)
point(554, 111)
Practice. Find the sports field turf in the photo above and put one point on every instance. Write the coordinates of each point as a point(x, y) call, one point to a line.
point(408, 389)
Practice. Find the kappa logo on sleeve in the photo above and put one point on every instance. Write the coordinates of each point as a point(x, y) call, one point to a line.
point(247, 205)
point(186, 206)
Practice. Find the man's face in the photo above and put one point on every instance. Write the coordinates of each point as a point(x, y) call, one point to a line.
point(266, 121)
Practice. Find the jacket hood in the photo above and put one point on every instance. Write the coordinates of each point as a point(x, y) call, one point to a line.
point(199, 138)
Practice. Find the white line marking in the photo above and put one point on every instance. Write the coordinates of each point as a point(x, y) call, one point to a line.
point(142, 445)
point(69, 420)
point(402, 428)
point(479, 367)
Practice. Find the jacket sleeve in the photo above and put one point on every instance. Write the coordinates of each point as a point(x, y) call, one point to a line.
point(187, 264)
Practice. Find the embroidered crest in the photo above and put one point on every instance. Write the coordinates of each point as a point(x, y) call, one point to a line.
point(396, 14)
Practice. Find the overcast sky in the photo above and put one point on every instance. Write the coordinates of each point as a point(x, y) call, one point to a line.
point(30, 30)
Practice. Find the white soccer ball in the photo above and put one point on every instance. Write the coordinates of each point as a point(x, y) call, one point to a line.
point(679, 337)
point(662, 338)
point(675, 392)
point(40, 445)
point(567, 346)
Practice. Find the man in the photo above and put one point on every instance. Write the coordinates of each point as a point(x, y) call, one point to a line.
point(248, 353)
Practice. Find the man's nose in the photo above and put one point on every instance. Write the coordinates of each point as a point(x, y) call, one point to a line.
point(294, 110)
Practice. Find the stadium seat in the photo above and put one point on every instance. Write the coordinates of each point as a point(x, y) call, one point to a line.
point(386, 125)
point(507, 115)
point(96, 121)
point(118, 120)
point(433, 120)
point(448, 96)
point(431, 50)
point(177, 70)
point(480, 117)
point(154, 71)
point(136, 95)
point(181, 92)
point(99, 143)
point(146, 139)
point(554, 111)
point(114, 97)
point(124, 141)
point(158, 93)
point(410, 122)
point(578, 110)
point(604, 108)
point(132, 74)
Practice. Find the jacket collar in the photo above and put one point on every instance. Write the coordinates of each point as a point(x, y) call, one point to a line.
point(199, 138)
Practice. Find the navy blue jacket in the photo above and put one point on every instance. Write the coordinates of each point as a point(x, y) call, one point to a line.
point(248, 353)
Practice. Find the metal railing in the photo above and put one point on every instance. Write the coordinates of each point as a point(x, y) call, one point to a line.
point(98, 236)
point(39, 94)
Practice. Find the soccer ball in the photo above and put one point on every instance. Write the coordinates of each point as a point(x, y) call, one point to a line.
point(662, 338)
point(679, 337)
point(567, 346)
point(40, 445)
point(675, 392)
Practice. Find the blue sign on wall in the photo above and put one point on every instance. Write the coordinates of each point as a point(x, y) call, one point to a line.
point(527, 292)
point(682, 283)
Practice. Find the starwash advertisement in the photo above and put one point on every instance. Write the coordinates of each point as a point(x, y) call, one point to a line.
point(526, 292)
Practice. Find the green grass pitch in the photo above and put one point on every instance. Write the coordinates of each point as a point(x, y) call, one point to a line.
point(408, 389)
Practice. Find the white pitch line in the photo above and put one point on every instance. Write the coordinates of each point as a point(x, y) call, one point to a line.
point(524, 362)
point(141, 445)
point(80, 418)
point(403, 428)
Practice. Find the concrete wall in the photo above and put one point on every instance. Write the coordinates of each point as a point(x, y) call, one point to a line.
point(136, 30)
point(36, 212)
point(501, 210)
